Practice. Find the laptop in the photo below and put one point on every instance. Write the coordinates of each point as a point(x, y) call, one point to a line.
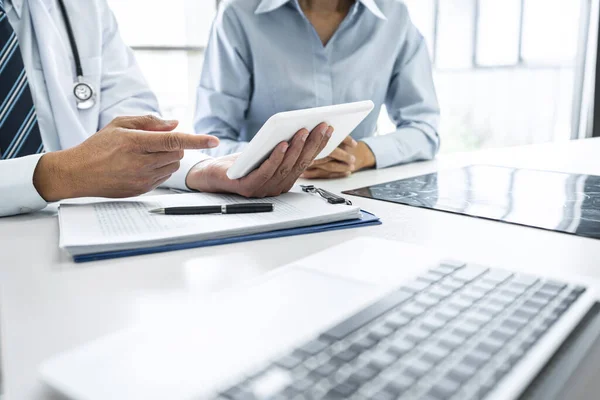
point(367, 319)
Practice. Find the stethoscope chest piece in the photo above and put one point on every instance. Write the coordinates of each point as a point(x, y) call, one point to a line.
point(84, 94)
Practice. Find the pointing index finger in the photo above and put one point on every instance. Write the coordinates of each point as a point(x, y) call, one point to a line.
point(173, 141)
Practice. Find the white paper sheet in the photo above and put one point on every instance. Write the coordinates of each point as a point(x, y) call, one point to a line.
point(129, 224)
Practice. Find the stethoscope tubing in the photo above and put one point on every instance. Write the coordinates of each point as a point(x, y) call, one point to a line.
point(72, 41)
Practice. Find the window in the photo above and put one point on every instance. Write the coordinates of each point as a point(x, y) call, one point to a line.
point(504, 69)
point(169, 40)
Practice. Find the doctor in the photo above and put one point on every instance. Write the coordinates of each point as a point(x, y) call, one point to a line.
point(76, 117)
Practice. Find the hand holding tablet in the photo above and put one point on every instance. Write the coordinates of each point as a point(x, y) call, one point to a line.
point(281, 127)
point(276, 175)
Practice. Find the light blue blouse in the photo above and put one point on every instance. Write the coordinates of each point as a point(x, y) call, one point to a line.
point(264, 57)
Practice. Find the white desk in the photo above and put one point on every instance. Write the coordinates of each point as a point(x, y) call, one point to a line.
point(49, 304)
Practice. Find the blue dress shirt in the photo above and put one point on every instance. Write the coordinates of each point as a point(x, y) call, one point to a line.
point(264, 57)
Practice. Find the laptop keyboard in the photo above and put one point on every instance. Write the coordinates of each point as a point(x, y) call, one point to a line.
point(452, 333)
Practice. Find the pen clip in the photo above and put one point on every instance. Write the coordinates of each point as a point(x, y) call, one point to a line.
point(330, 197)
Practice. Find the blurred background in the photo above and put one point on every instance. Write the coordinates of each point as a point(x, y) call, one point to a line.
point(507, 72)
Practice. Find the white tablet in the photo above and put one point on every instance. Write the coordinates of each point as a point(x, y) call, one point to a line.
point(282, 127)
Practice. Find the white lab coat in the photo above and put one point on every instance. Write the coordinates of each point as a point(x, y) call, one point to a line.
point(109, 66)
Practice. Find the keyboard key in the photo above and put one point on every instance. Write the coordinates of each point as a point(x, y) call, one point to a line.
point(431, 323)
point(461, 303)
point(515, 355)
point(400, 346)
point(525, 313)
point(347, 355)
point(414, 286)
point(503, 334)
point(302, 385)
point(453, 264)
point(429, 277)
point(314, 347)
point(418, 368)
point(461, 373)
point(343, 390)
point(443, 269)
point(446, 313)
point(439, 292)
point(451, 342)
point(383, 395)
point(326, 369)
point(412, 310)
point(491, 309)
point(515, 322)
point(380, 332)
point(363, 344)
point(366, 315)
point(535, 304)
point(465, 330)
point(478, 320)
point(553, 286)
point(469, 273)
point(523, 280)
point(364, 374)
point(444, 389)
point(485, 387)
point(435, 354)
point(578, 290)
point(380, 360)
point(426, 301)
point(501, 370)
point(497, 276)
point(236, 393)
point(484, 286)
point(507, 295)
point(396, 320)
point(451, 284)
point(289, 362)
point(473, 294)
point(489, 347)
point(475, 359)
point(417, 335)
point(399, 385)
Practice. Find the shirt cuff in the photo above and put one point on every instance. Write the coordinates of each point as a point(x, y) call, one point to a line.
point(406, 145)
point(17, 193)
point(384, 155)
point(189, 160)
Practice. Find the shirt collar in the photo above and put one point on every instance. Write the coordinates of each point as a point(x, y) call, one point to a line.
point(267, 6)
point(372, 6)
point(17, 5)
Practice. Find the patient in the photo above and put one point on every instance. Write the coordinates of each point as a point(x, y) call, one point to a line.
point(268, 56)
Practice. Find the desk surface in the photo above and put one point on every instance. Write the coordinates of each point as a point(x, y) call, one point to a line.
point(49, 304)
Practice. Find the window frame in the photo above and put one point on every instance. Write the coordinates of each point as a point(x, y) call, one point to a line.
point(521, 63)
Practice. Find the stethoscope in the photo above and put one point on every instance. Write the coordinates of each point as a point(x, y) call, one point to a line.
point(83, 91)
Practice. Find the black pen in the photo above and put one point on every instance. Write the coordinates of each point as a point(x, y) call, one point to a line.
point(242, 208)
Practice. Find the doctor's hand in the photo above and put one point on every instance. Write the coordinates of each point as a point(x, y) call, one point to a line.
point(275, 176)
point(350, 156)
point(129, 157)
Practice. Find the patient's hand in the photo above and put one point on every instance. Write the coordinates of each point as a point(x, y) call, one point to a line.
point(349, 157)
point(275, 176)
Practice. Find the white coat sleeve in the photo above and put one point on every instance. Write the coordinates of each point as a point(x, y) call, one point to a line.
point(17, 193)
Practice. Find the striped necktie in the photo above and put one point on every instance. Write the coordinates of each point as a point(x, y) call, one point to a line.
point(19, 130)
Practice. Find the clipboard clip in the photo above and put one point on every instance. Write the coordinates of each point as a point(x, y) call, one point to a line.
point(330, 197)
